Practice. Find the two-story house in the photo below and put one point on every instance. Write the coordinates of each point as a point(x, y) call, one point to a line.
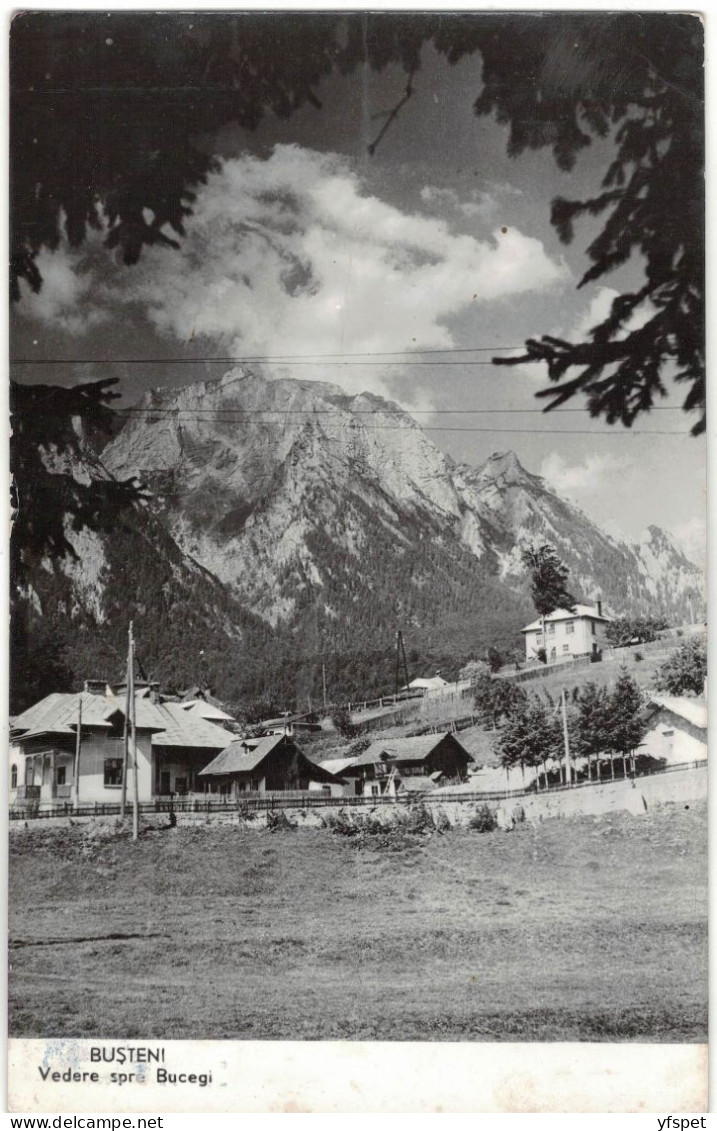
point(567, 634)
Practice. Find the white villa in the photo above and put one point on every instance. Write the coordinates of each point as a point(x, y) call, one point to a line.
point(567, 634)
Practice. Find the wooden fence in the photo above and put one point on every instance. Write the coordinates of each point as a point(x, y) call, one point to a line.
point(314, 800)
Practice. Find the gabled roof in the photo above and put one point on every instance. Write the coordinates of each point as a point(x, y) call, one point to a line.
point(415, 749)
point(171, 726)
point(581, 611)
point(206, 710)
point(184, 728)
point(240, 758)
point(337, 765)
point(693, 710)
point(58, 714)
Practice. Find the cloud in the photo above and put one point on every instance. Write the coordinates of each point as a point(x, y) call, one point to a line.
point(692, 535)
point(479, 204)
point(292, 255)
point(588, 477)
point(64, 299)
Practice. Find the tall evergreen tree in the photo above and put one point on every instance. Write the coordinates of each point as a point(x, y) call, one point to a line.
point(528, 736)
point(548, 583)
point(627, 724)
point(593, 720)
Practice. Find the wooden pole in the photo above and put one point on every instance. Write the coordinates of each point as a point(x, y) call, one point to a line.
point(125, 744)
point(405, 662)
point(78, 749)
point(133, 728)
point(323, 677)
point(566, 740)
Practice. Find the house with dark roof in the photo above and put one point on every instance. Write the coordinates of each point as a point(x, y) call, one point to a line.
point(265, 765)
point(172, 746)
point(389, 763)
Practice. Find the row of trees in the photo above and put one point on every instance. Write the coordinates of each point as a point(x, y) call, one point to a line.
point(600, 723)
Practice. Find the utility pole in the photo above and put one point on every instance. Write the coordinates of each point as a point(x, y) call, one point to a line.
point(323, 678)
point(566, 740)
point(400, 650)
point(133, 732)
point(125, 745)
point(78, 748)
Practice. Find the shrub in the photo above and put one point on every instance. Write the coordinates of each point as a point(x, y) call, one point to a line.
point(341, 718)
point(277, 820)
point(637, 656)
point(484, 820)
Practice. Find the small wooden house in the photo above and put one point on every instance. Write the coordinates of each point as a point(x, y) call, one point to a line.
point(677, 729)
point(387, 763)
point(264, 765)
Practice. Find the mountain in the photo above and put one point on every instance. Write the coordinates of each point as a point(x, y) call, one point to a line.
point(293, 526)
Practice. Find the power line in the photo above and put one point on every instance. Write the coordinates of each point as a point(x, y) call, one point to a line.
point(309, 357)
point(240, 413)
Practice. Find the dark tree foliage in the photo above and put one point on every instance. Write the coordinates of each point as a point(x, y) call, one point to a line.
point(496, 699)
point(592, 717)
point(634, 630)
point(50, 426)
point(627, 725)
point(529, 735)
point(637, 78)
point(548, 580)
point(119, 111)
point(685, 670)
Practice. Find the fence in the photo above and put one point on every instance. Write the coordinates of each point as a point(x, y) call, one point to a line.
point(263, 802)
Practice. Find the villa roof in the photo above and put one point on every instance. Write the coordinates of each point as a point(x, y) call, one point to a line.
point(588, 612)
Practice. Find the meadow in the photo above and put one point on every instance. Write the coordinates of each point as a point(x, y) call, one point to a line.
point(590, 929)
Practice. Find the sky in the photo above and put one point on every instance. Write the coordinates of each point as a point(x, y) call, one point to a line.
point(305, 244)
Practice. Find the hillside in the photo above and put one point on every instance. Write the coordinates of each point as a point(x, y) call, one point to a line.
point(292, 526)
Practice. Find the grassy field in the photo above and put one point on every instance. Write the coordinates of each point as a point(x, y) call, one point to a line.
point(591, 929)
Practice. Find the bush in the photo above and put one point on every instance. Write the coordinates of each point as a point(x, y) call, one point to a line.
point(277, 821)
point(685, 670)
point(637, 656)
point(341, 718)
point(484, 820)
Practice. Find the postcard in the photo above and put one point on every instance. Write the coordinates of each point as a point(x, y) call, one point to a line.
point(358, 608)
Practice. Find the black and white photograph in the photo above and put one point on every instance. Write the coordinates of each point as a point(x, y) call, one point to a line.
point(358, 623)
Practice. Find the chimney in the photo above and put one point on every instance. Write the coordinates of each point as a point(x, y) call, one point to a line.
point(599, 607)
point(96, 686)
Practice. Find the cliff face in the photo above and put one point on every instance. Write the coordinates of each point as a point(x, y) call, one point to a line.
point(292, 526)
point(253, 475)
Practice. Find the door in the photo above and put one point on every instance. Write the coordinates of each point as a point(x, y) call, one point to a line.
point(164, 781)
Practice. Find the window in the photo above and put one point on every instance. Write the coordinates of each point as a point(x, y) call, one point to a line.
point(569, 627)
point(539, 639)
point(60, 774)
point(113, 771)
point(13, 777)
point(592, 626)
point(566, 647)
point(375, 790)
point(551, 630)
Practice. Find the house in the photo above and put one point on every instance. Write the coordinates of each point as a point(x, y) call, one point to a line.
point(345, 787)
point(206, 710)
point(172, 747)
point(435, 683)
point(266, 765)
point(678, 729)
point(567, 634)
point(289, 724)
point(387, 763)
